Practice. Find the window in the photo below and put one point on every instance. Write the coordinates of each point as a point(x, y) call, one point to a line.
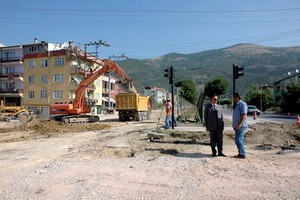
point(98, 83)
point(112, 86)
point(44, 110)
point(104, 83)
point(59, 61)
point(9, 55)
point(44, 63)
point(58, 94)
point(31, 64)
point(44, 79)
point(97, 96)
point(33, 49)
point(32, 108)
point(31, 79)
point(58, 78)
point(10, 70)
point(10, 85)
point(30, 95)
point(44, 94)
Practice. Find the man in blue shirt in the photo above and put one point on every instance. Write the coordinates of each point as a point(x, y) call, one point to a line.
point(239, 124)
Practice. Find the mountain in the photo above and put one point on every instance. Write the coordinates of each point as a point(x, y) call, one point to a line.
point(262, 65)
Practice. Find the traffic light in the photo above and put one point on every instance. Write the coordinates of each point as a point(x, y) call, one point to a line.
point(169, 74)
point(237, 71)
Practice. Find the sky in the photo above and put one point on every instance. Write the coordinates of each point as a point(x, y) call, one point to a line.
point(144, 29)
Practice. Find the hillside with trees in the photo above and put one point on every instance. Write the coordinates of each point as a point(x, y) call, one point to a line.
point(262, 65)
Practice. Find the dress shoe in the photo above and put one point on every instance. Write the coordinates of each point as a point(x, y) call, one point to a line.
point(214, 155)
point(222, 154)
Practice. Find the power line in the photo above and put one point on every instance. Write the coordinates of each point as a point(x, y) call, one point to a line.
point(39, 9)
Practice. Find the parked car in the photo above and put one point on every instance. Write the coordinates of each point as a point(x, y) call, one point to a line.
point(252, 109)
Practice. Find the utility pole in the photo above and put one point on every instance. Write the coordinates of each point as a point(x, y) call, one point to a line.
point(48, 77)
point(122, 56)
point(97, 44)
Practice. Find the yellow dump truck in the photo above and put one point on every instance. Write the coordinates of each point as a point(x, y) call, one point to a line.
point(8, 113)
point(132, 106)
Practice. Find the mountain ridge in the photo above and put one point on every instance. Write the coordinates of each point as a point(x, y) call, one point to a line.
point(262, 65)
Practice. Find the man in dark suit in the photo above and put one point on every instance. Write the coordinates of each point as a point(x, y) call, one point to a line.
point(214, 123)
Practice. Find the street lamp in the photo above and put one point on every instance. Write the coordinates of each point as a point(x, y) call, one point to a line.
point(296, 74)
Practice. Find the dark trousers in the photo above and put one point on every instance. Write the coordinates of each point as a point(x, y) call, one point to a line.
point(216, 139)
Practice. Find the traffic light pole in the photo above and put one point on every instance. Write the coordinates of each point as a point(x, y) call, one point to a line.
point(233, 86)
point(170, 75)
point(236, 72)
point(172, 94)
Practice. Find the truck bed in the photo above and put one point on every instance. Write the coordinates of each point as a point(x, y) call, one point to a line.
point(131, 101)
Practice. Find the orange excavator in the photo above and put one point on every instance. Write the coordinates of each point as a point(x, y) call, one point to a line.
point(80, 110)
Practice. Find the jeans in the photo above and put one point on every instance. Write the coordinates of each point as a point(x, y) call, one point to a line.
point(168, 121)
point(239, 140)
point(174, 121)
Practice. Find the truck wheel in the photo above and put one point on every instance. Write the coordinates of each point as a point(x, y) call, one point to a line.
point(23, 117)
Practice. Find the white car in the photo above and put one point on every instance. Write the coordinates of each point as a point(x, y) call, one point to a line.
point(252, 109)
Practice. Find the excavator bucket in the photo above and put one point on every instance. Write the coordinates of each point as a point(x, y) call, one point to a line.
point(126, 86)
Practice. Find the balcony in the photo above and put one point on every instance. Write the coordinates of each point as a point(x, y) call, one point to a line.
point(11, 59)
point(15, 74)
point(73, 86)
point(11, 90)
point(76, 70)
point(105, 91)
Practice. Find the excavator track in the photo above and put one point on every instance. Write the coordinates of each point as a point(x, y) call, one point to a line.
point(70, 119)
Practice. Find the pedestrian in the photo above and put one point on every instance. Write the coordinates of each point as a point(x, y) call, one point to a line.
point(173, 116)
point(168, 119)
point(239, 124)
point(214, 123)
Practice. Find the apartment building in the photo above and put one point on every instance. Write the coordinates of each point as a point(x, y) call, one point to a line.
point(52, 73)
point(109, 91)
point(11, 75)
point(156, 93)
point(39, 74)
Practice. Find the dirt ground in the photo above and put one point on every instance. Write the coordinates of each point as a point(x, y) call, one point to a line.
point(133, 160)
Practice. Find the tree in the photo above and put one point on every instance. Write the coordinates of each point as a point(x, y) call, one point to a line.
point(291, 98)
point(217, 86)
point(187, 90)
point(258, 97)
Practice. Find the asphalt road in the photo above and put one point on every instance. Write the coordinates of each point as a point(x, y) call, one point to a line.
point(277, 118)
point(265, 117)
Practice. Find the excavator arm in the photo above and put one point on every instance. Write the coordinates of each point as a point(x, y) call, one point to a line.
point(104, 66)
point(75, 112)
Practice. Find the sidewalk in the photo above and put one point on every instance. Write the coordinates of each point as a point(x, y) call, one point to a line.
point(201, 128)
point(196, 128)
